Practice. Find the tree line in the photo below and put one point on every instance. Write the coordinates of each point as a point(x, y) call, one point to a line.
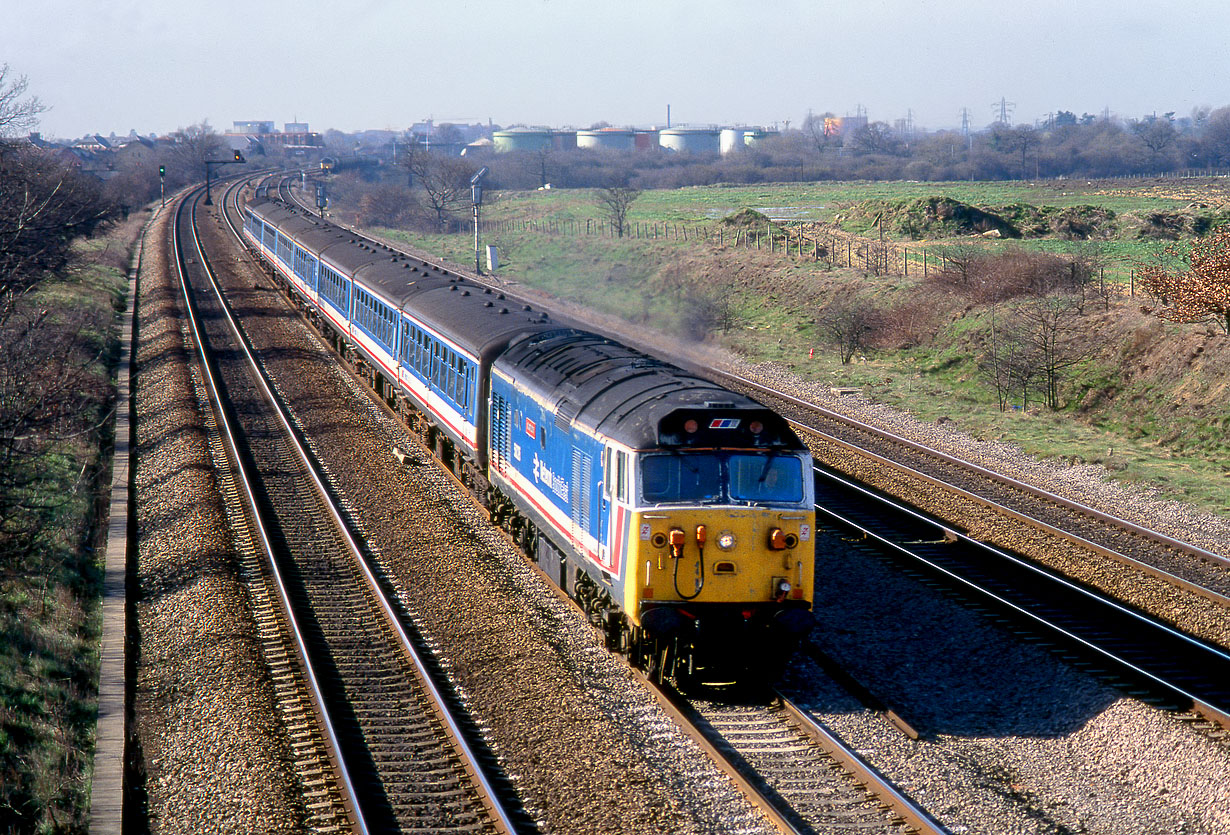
point(1065, 145)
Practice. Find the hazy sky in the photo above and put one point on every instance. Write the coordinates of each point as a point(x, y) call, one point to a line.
point(156, 65)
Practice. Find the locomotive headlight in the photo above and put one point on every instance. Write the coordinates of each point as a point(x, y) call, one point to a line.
point(783, 587)
point(726, 540)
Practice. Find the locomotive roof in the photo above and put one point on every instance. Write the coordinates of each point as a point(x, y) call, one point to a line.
point(637, 399)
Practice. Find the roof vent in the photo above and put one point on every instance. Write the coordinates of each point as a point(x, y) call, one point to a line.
point(488, 304)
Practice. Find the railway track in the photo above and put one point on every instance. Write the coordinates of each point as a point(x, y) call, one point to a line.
point(797, 771)
point(1144, 649)
point(400, 759)
point(1098, 532)
point(1183, 564)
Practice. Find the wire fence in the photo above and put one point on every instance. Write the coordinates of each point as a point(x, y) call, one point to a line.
point(806, 241)
point(815, 242)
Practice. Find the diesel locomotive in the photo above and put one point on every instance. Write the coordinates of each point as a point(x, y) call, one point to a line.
point(677, 513)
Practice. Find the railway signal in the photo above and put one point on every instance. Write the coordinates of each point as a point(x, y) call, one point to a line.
point(476, 196)
point(209, 173)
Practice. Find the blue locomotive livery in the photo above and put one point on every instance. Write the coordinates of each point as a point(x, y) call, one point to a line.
point(677, 513)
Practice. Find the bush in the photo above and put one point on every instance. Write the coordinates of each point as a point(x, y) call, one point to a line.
point(984, 278)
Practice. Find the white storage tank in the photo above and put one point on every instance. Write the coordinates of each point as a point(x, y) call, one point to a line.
point(732, 139)
point(521, 139)
point(690, 140)
point(751, 137)
point(606, 139)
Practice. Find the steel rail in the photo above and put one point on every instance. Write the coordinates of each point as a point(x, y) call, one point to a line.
point(1219, 712)
point(502, 819)
point(258, 518)
point(1047, 527)
point(914, 815)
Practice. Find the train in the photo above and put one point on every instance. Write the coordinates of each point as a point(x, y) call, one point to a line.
point(678, 514)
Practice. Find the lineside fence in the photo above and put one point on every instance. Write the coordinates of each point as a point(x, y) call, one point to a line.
point(814, 242)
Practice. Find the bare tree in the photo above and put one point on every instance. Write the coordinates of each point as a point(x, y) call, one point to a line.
point(1009, 362)
point(444, 183)
point(1157, 135)
point(1019, 140)
point(44, 205)
point(847, 323)
point(875, 138)
point(193, 145)
point(1036, 347)
point(18, 114)
point(814, 128)
point(616, 200)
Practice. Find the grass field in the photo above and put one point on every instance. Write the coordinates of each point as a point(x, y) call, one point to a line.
point(772, 302)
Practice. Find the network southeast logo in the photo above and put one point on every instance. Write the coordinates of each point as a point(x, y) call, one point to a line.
point(556, 483)
point(724, 423)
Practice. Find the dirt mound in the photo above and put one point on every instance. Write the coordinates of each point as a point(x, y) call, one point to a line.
point(747, 219)
point(1195, 220)
point(929, 217)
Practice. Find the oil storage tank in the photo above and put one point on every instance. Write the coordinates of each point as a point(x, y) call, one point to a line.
point(522, 139)
point(732, 139)
point(606, 139)
point(690, 140)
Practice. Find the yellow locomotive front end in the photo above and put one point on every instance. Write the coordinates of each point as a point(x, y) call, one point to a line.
point(721, 560)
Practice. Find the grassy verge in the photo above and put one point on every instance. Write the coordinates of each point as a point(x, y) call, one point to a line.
point(50, 575)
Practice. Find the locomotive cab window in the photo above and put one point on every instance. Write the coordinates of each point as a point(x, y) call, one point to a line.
point(740, 478)
point(766, 478)
point(676, 477)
